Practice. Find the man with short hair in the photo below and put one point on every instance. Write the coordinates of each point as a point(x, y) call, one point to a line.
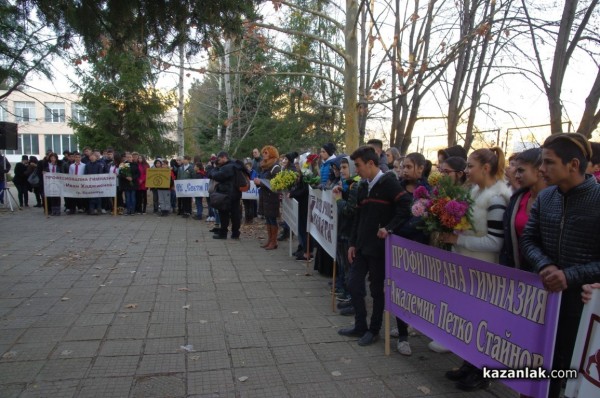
point(256, 158)
point(378, 146)
point(383, 206)
point(186, 172)
point(561, 237)
point(76, 168)
point(94, 167)
point(225, 174)
point(85, 158)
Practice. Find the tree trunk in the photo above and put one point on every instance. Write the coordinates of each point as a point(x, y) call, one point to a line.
point(180, 138)
point(228, 94)
point(363, 90)
point(350, 76)
point(591, 114)
point(559, 66)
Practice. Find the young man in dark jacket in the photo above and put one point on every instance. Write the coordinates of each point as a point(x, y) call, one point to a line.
point(560, 240)
point(225, 175)
point(94, 166)
point(383, 207)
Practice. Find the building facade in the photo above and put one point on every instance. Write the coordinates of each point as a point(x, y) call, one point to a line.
point(42, 120)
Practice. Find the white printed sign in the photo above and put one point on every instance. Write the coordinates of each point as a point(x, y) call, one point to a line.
point(76, 186)
point(195, 188)
point(586, 355)
point(192, 188)
point(289, 213)
point(322, 219)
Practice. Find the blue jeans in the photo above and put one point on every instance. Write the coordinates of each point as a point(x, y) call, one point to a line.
point(2, 185)
point(199, 206)
point(130, 201)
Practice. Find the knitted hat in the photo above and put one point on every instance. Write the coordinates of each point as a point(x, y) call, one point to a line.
point(291, 156)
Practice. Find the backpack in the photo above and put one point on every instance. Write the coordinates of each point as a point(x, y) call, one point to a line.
point(242, 181)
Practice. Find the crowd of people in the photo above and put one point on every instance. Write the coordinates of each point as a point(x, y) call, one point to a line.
point(537, 211)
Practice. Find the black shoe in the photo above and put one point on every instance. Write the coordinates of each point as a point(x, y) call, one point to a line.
point(351, 332)
point(215, 229)
point(368, 338)
point(285, 234)
point(344, 304)
point(460, 373)
point(347, 311)
point(219, 236)
point(473, 381)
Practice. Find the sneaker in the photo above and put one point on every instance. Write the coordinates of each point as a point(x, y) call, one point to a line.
point(404, 348)
point(437, 347)
point(103, 211)
point(394, 332)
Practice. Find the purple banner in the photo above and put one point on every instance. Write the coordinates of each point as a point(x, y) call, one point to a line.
point(490, 315)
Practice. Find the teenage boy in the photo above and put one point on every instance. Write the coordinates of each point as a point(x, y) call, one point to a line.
point(561, 237)
point(186, 172)
point(382, 207)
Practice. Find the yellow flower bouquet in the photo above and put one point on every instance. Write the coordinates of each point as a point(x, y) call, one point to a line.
point(284, 181)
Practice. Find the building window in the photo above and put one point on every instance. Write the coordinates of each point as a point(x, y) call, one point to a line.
point(24, 111)
point(78, 113)
point(3, 112)
point(61, 142)
point(29, 144)
point(54, 112)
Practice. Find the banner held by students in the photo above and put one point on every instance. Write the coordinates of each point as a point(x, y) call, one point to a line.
point(586, 355)
point(322, 219)
point(80, 186)
point(289, 213)
point(199, 188)
point(492, 316)
point(158, 178)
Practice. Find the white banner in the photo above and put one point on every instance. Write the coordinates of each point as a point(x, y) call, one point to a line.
point(192, 188)
point(586, 355)
point(199, 188)
point(322, 219)
point(289, 213)
point(85, 186)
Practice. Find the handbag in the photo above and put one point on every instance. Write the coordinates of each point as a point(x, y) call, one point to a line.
point(219, 201)
point(33, 179)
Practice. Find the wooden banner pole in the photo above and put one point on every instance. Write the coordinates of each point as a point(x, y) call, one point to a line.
point(46, 206)
point(333, 286)
point(115, 206)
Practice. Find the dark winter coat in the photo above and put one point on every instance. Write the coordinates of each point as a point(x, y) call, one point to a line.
point(94, 168)
point(510, 254)
point(386, 206)
point(225, 176)
point(268, 201)
point(127, 185)
point(564, 230)
point(20, 178)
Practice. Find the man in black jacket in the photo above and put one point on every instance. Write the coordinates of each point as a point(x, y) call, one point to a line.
point(561, 238)
point(383, 207)
point(225, 175)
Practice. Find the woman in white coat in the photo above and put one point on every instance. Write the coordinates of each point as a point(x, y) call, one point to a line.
point(485, 171)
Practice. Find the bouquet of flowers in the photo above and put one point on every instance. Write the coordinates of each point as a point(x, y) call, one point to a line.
point(447, 208)
point(125, 171)
point(308, 174)
point(284, 180)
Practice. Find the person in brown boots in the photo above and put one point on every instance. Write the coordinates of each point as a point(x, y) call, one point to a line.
point(268, 203)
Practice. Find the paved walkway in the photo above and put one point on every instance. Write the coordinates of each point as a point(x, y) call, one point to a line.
point(109, 307)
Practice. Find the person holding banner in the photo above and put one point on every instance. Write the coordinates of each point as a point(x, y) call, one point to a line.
point(485, 171)
point(94, 167)
point(561, 237)
point(383, 206)
point(53, 201)
point(268, 201)
point(77, 168)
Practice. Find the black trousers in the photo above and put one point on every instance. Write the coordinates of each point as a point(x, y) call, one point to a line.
point(186, 206)
point(235, 216)
point(375, 267)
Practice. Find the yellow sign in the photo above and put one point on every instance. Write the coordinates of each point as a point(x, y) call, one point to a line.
point(158, 178)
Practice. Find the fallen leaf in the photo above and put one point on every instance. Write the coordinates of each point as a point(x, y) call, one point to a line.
point(183, 289)
point(131, 306)
point(203, 321)
point(186, 307)
point(65, 299)
point(66, 352)
point(133, 272)
point(102, 285)
point(188, 348)
point(195, 357)
point(98, 267)
point(336, 373)
point(235, 312)
point(424, 390)
point(345, 360)
point(9, 355)
point(96, 276)
point(243, 378)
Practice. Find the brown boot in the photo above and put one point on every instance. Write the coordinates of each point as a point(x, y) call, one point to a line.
point(268, 238)
point(273, 241)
